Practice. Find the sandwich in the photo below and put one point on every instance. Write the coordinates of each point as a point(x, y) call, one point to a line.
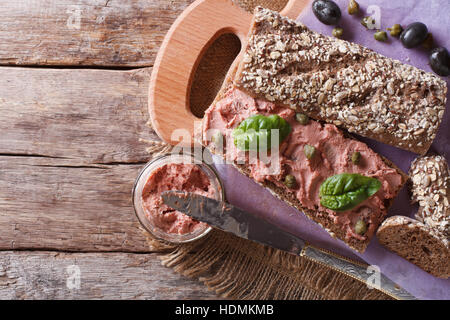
point(309, 87)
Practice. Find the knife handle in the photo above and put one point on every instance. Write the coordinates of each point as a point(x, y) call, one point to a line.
point(355, 270)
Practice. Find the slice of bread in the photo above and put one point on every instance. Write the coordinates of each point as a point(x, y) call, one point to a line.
point(289, 197)
point(340, 82)
point(430, 177)
point(418, 243)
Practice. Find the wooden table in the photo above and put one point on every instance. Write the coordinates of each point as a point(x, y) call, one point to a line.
point(73, 135)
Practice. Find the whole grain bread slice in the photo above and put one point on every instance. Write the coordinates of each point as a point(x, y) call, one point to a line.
point(289, 197)
point(340, 82)
point(418, 243)
point(430, 187)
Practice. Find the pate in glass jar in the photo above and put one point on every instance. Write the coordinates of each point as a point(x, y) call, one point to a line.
point(173, 172)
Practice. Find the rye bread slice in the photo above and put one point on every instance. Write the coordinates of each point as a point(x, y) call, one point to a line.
point(290, 198)
point(340, 82)
point(430, 187)
point(418, 243)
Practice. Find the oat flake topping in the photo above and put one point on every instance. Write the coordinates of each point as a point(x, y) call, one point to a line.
point(342, 83)
point(431, 188)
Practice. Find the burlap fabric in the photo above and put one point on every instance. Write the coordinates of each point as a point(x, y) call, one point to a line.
point(238, 268)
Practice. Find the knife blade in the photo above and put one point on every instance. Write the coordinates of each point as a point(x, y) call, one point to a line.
point(247, 225)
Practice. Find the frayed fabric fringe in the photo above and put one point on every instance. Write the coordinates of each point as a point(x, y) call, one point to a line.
point(236, 268)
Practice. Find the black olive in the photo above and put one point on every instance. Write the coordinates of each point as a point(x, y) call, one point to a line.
point(414, 35)
point(326, 11)
point(440, 61)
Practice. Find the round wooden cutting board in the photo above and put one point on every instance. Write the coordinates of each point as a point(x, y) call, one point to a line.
point(192, 33)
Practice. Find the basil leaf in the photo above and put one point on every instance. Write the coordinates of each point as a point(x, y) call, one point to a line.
point(345, 191)
point(254, 133)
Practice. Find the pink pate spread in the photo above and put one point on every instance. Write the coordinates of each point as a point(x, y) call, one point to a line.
point(333, 154)
point(174, 176)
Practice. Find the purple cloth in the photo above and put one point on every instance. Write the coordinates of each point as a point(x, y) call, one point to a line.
point(246, 194)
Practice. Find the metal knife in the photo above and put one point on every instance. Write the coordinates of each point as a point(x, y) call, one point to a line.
point(243, 224)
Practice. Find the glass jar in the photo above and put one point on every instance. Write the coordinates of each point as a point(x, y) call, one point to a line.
point(141, 181)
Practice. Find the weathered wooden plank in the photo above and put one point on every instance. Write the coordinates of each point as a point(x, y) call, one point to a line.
point(53, 275)
point(66, 205)
point(96, 115)
point(109, 33)
point(68, 122)
point(85, 32)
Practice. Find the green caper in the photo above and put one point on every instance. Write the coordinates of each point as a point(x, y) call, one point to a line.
point(368, 22)
point(302, 118)
point(360, 227)
point(356, 157)
point(353, 7)
point(428, 43)
point(396, 30)
point(338, 32)
point(309, 151)
point(290, 181)
point(380, 36)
